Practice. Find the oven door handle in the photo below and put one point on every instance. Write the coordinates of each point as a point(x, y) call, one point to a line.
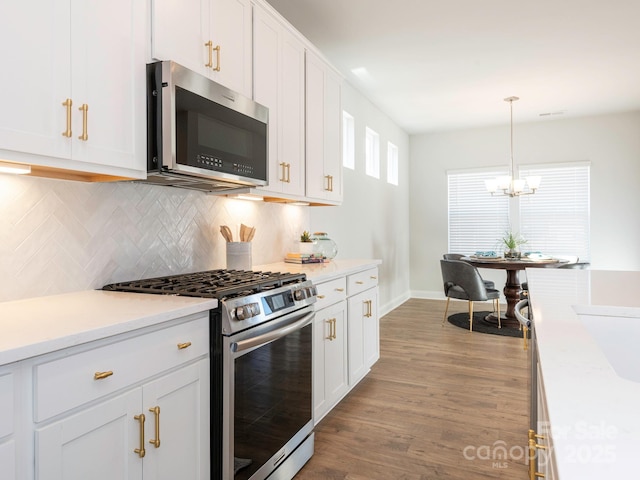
point(274, 335)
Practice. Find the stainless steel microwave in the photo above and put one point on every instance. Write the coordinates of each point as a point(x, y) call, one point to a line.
point(200, 134)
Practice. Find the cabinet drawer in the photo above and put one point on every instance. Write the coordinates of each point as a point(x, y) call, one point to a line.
point(331, 292)
point(359, 282)
point(6, 403)
point(68, 382)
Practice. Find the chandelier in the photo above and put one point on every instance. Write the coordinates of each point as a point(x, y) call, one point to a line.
point(508, 185)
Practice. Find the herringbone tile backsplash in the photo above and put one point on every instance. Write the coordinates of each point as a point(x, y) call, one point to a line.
point(60, 236)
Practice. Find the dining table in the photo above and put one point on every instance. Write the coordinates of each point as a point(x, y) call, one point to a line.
point(512, 288)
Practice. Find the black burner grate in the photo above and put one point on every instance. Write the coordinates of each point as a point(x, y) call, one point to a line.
point(218, 284)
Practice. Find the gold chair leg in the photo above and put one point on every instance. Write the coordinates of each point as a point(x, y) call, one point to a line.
point(525, 332)
point(470, 316)
point(446, 309)
point(499, 318)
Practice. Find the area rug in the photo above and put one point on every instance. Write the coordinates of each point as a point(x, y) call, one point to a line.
point(480, 325)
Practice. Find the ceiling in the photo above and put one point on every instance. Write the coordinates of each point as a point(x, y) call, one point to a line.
point(448, 64)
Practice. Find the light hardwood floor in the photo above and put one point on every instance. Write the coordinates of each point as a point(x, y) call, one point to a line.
point(440, 403)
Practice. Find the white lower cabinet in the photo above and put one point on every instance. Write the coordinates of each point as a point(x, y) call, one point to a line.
point(96, 443)
point(155, 427)
point(7, 423)
point(541, 441)
point(126, 437)
point(346, 337)
point(331, 381)
point(364, 345)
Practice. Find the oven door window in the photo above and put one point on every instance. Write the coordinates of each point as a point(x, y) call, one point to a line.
point(272, 398)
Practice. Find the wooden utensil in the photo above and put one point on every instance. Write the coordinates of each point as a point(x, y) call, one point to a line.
point(226, 233)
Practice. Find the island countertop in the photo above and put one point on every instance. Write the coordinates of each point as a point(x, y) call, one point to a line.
point(592, 410)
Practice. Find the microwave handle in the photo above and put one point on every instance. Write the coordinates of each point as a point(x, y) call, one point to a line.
point(154, 117)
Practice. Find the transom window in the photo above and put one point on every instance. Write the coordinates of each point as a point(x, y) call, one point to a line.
point(372, 153)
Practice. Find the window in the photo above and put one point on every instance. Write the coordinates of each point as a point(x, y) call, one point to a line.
point(554, 220)
point(476, 219)
point(348, 141)
point(392, 164)
point(372, 153)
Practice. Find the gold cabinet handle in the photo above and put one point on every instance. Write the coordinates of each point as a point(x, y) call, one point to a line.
point(320, 297)
point(182, 346)
point(329, 183)
point(284, 168)
point(339, 289)
point(140, 451)
point(334, 328)
point(67, 104)
point(533, 446)
point(101, 375)
point(330, 322)
point(156, 412)
point(359, 283)
point(217, 49)
point(288, 173)
point(209, 46)
point(373, 277)
point(84, 109)
point(369, 308)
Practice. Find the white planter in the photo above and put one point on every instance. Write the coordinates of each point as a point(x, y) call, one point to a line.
point(306, 247)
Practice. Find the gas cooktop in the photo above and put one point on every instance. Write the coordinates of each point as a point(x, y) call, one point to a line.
point(220, 284)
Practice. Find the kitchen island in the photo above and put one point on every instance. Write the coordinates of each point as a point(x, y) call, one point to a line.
point(591, 409)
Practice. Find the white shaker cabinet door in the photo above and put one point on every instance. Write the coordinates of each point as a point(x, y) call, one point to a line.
point(279, 85)
point(230, 30)
point(182, 429)
point(179, 31)
point(324, 130)
point(108, 76)
point(330, 379)
point(98, 443)
point(34, 47)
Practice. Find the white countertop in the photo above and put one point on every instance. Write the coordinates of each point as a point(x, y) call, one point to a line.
point(322, 272)
point(41, 325)
point(593, 412)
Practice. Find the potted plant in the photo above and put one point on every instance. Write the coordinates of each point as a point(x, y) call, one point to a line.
point(512, 242)
point(306, 244)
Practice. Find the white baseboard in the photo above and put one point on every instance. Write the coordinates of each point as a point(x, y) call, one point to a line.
point(396, 302)
point(427, 295)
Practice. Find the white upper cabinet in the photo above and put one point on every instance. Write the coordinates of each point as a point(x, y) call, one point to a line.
point(279, 85)
point(211, 37)
point(75, 97)
point(324, 129)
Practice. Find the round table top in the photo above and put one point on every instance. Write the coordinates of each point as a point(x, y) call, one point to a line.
point(514, 263)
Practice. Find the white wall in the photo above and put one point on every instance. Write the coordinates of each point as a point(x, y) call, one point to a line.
point(373, 220)
point(610, 142)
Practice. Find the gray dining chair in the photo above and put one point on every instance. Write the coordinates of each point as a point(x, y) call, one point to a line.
point(458, 256)
point(462, 281)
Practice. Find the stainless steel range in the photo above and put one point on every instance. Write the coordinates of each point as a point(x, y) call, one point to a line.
point(261, 338)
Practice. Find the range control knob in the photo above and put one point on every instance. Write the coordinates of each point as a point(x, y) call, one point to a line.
point(299, 294)
point(247, 311)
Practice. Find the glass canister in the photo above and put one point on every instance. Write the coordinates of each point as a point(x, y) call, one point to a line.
point(325, 245)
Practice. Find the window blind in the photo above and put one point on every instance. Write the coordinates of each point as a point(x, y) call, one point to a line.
point(477, 221)
point(555, 220)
